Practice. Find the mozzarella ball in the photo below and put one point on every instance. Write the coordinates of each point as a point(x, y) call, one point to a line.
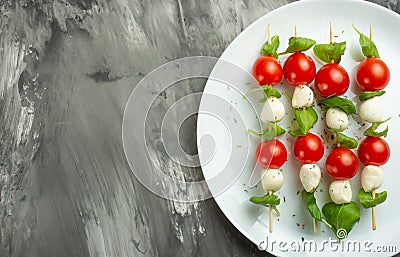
point(303, 96)
point(371, 178)
point(273, 110)
point(272, 180)
point(340, 191)
point(371, 110)
point(337, 119)
point(310, 176)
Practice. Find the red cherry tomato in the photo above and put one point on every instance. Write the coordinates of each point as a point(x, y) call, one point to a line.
point(308, 148)
point(271, 154)
point(374, 151)
point(341, 163)
point(299, 69)
point(332, 80)
point(372, 74)
point(267, 71)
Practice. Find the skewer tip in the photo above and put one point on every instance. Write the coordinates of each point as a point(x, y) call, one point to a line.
point(269, 34)
point(315, 224)
point(370, 32)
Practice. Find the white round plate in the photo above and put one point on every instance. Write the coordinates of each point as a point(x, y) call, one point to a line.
point(227, 120)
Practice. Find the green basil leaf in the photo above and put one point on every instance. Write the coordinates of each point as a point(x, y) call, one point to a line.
point(341, 216)
point(297, 133)
point(276, 210)
point(367, 46)
point(266, 201)
point(255, 132)
point(371, 131)
point(310, 203)
point(346, 141)
point(329, 52)
point(337, 102)
point(369, 94)
point(269, 91)
point(272, 48)
point(272, 130)
point(306, 118)
point(367, 201)
point(299, 44)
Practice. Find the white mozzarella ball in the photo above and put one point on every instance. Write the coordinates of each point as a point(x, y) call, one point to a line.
point(371, 178)
point(310, 176)
point(303, 96)
point(340, 191)
point(272, 180)
point(337, 119)
point(273, 110)
point(371, 110)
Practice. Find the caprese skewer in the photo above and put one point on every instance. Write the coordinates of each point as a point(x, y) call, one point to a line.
point(271, 153)
point(341, 164)
point(372, 75)
point(299, 71)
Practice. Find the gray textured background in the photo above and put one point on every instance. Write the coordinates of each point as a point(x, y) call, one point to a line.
point(67, 68)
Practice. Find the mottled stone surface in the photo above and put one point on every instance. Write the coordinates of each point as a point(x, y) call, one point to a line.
point(67, 68)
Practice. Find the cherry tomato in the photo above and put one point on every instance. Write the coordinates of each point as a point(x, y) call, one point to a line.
point(332, 80)
point(341, 163)
point(271, 154)
point(372, 74)
point(299, 69)
point(308, 148)
point(267, 71)
point(374, 151)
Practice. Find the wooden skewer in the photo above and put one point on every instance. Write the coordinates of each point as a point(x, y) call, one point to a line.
point(373, 191)
point(370, 32)
point(270, 191)
point(373, 212)
point(269, 34)
point(270, 214)
point(331, 36)
point(315, 224)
